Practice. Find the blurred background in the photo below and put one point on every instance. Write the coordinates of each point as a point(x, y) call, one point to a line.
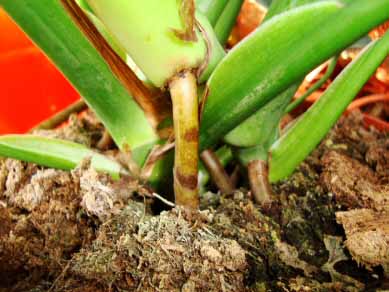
point(31, 89)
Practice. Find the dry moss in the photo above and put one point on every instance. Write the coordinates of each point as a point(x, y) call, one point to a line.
point(174, 251)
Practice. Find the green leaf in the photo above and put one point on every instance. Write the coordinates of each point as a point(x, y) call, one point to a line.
point(227, 20)
point(257, 152)
point(280, 6)
point(85, 6)
point(108, 37)
point(314, 87)
point(303, 137)
point(49, 26)
point(261, 127)
point(238, 87)
point(260, 131)
point(55, 153)
point(212, 9)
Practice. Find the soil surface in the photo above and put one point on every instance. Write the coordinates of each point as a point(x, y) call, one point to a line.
point(327, 230)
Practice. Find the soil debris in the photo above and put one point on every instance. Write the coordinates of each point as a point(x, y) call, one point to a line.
point(80, 231)
point(377, 157)
point(82, 128)
point(47, 215)
point(334, 245)
point(354, 185)
point(367, 234)
point(101, 196)
point(162, 253)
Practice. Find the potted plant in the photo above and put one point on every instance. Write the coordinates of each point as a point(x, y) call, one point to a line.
point(160, 80)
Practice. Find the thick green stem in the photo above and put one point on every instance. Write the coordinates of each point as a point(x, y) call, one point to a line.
point(316, 86)
point(161, 38)
point(183, 90)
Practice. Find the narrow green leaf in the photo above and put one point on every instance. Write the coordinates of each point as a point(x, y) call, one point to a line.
point(260, 127)
point(314, 87)
point(48, 25)
point(261, 42)
point(260, 131)
point(212, 9)
point(55, 153)
point(303, 137)
point(280, 6)
point(227, 20)
point(238, 87)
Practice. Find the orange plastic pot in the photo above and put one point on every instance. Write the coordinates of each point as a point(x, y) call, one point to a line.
point(31, 88)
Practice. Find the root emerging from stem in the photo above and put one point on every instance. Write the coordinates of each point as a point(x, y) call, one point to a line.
point(259, 182)
point(217, 172)
point(183, 90)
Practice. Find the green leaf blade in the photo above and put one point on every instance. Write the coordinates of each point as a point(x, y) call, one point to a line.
point(48, 25)
point(55, 153)
point(276, 62)
point(259, 129)
point(227, 20)
point(212, 9)
point(308, 131)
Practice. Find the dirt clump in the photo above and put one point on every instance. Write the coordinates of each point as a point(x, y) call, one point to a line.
point(354, 185)
point(377, 157)
point(101, 196)
point(174, 251)
point(82, 128)
point(367, 234)
point(43, 219)
point(350, 137)
point(81, 231)
point(359, 181)
point(272, 256)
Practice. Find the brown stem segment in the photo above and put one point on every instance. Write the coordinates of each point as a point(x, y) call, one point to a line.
point(234, 177)
point(61, 116)
point(217, 172)
point(259, 181)
point(183, 91)
point(105, 141)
